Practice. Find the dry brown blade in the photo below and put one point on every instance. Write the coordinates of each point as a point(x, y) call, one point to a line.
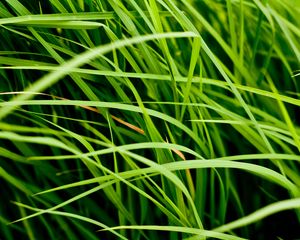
point(133, 127)
point(179, 153)
point(127, 124)
point(187, 171)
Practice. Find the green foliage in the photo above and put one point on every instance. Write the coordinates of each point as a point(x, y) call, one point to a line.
point(149, 119)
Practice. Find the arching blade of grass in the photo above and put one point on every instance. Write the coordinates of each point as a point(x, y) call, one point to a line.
point(47, 81)
point(191, 231)
point(134, 173)
point(75, 216)
point(148, 119)
point(261, 213)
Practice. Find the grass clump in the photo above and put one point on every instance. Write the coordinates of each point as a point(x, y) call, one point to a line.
point(149, 119)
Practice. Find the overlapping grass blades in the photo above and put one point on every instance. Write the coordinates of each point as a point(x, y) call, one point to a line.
point(149, 119)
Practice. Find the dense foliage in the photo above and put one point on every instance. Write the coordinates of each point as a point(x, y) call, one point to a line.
point(149, 119)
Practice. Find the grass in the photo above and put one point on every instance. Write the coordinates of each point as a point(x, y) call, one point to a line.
point(149, 119)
